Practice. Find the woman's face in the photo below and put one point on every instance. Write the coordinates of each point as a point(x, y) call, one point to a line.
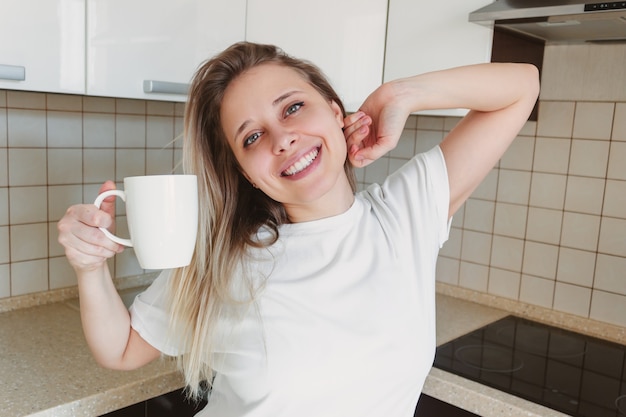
point(288, 140)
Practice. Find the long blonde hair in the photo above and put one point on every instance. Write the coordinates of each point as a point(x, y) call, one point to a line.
point(231, 210)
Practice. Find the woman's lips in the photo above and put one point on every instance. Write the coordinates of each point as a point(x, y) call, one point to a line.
point(302, 163)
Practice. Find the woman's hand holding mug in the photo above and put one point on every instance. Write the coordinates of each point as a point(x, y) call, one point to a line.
point(162, 216)
point(85, 246)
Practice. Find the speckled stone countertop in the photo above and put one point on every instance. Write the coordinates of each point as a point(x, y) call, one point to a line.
point(46, 368)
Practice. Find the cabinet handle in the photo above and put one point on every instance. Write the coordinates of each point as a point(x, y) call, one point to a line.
point(164, 87)
point(12, 72)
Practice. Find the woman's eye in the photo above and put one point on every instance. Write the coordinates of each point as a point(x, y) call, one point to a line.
point(294, 108)
point(251, 139)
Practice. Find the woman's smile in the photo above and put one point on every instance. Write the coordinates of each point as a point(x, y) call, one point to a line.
point(302, 164)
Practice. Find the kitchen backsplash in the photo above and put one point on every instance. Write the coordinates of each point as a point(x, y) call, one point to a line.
point(547, 226)
point(55, 151)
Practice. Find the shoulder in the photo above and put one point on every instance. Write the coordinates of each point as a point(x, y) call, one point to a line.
point(416, 197)
point(423, 175)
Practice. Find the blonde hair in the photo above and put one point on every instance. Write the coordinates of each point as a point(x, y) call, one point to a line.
point(231, 210)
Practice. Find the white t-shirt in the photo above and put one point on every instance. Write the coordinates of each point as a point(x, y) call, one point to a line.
point(345, 324)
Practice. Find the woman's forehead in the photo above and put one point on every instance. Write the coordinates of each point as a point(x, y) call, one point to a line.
point(263, 86)
point(267, 75)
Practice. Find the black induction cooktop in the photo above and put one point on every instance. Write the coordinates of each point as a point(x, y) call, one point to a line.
point(569, 372)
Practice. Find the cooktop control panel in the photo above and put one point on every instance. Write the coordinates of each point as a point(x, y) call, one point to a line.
point(612, 5)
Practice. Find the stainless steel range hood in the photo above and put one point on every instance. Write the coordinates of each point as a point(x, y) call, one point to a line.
point(557, 21)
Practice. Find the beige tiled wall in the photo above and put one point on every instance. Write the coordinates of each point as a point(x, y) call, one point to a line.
point(55, 151)
point(548, 225)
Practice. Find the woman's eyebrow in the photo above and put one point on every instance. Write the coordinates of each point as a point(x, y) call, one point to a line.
point(283, 97)
point(241, 128)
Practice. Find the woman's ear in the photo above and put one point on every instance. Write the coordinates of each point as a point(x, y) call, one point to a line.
point(338, 113)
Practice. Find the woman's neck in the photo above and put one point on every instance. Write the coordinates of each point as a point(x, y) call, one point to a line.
point(337, 201)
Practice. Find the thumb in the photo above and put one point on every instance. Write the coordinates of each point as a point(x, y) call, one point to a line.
point(108, 204)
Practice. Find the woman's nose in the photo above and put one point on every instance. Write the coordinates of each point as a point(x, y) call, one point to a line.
point(284, 141)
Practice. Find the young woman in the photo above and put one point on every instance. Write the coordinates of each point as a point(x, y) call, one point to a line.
point(303, 298)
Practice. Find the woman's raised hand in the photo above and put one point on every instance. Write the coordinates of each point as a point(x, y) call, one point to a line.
point(86, 247)
point(376, 128)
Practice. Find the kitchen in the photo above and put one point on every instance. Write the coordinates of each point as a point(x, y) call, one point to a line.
point(543, 237)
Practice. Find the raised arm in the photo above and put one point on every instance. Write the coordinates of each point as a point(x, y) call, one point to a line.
point(499, 95)
point(105, 319)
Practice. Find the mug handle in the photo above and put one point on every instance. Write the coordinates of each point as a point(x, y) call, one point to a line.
point(98, 203)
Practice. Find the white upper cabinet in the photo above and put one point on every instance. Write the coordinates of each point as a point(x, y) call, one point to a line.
point(346, 39)
point(43, 45)
point(150, 49)
point(426, 36)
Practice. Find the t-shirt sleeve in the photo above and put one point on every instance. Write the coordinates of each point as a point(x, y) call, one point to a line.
point(150, 318)
point(413, 206)
point(419, 194)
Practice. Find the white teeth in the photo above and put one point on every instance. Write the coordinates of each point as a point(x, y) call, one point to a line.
point(301, 164)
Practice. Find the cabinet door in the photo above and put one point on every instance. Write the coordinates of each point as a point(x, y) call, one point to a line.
point(346, 39)
point(43, 45)
point(427, 36)
point(156, 43)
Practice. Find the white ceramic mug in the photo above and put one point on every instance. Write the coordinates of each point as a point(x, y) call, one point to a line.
point(162, 216)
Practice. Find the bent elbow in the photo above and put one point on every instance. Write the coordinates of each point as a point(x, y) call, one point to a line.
point(117, 364)
point(532, 80)
point(137, 354)
point(113, 365)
